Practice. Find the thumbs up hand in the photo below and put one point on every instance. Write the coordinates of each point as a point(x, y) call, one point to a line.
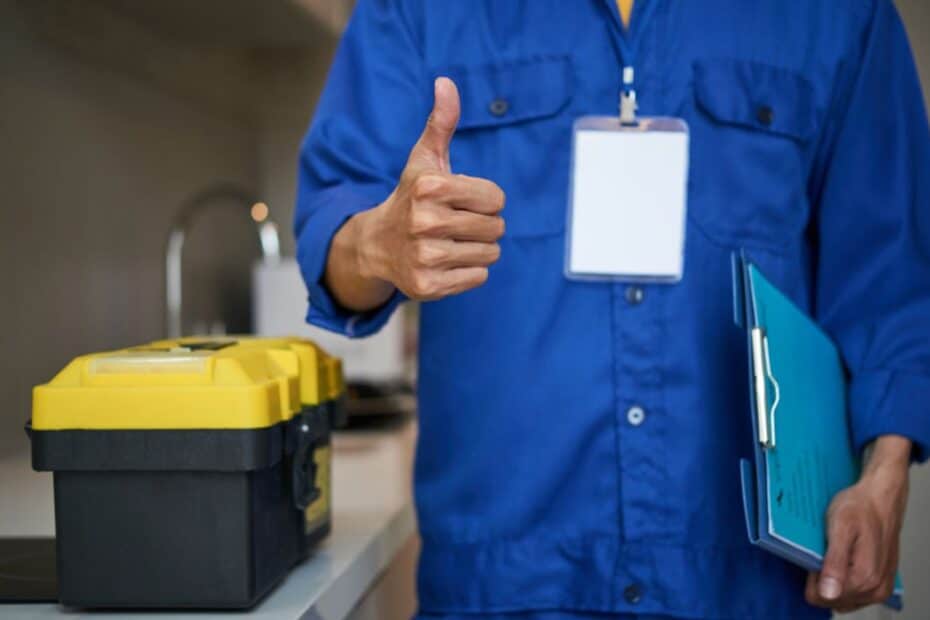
point(437, 233)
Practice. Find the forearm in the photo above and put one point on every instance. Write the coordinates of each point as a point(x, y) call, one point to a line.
point(347, 276)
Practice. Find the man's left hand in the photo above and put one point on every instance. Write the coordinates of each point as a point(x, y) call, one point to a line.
point(863, 527)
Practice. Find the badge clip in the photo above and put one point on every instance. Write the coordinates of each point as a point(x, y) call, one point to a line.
point(628, 99)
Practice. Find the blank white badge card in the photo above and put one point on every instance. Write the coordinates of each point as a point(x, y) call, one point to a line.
point(628, 200)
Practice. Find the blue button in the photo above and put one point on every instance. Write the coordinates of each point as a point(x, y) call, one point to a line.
point(499, 107)
point(633, 593)
point(634, 295)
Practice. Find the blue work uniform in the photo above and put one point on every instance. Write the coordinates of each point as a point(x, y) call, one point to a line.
point(579, 442)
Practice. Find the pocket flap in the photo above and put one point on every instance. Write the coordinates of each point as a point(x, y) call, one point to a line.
point(756, 96)
point(509, 92)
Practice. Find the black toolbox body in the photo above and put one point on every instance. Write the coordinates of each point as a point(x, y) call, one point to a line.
point(185, 518)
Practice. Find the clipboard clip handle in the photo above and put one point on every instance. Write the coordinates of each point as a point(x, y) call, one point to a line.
point(762, 376)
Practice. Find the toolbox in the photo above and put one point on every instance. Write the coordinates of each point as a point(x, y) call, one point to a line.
point(187, 474)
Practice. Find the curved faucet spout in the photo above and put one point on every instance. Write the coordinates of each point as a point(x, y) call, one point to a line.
point(268, 237)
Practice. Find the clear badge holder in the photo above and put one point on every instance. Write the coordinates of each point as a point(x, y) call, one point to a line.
point(627, 197)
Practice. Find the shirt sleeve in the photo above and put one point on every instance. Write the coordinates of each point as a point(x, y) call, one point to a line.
point(370, 113)
point(872, 228)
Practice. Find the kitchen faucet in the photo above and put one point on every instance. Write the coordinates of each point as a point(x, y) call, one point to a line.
point(225, 194)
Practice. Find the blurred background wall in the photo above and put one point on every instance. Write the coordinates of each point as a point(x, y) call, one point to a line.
point(113, 113)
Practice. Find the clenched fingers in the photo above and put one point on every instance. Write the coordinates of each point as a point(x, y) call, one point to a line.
point(867, 571)
point(832, 580)
point(449, 254)
point(460, 191)
point(428, 285)
point(856, 571)
point(438, 221)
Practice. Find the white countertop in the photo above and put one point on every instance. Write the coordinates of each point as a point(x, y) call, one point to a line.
point(372, 520)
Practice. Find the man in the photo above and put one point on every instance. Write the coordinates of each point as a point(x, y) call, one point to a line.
point(579, 441)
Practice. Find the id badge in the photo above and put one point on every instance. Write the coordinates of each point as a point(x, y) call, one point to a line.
point(627, 200)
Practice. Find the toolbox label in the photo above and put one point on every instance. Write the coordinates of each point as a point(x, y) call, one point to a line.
point(319, 509)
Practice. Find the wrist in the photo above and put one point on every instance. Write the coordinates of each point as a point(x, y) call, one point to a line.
point(349, 275)
point(888, 457)
point(366, 253)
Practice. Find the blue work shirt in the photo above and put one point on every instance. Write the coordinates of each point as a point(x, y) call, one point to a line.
point(579, 442)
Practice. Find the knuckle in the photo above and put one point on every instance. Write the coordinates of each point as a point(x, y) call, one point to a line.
point(864, 581)
point(421, 284)
point(494, 253)
point(427, 254)
point(422, 222)
point(842, 508)
point(418, 253)
point(872, 581)
point(425, 186)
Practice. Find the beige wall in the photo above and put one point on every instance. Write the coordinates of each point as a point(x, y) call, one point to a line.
point(107, 127)
point(916, 16)
point(291, 82)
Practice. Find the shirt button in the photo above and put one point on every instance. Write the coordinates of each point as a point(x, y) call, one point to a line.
point(499, 107)
point(634, 295)
point(635, 415)
point(765, 115)
point(633, 593)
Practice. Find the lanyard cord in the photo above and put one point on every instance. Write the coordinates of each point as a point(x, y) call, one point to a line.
point(629, 46)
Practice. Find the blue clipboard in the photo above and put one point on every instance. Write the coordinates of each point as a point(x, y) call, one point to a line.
point(802, 451)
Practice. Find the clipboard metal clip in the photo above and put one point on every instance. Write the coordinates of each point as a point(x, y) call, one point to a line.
point(761, 375)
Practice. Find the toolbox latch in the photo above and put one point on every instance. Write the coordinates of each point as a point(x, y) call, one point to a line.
point(304, 469)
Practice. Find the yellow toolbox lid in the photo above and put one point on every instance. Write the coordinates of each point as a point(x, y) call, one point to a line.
point(319, 374)
point(209, 386)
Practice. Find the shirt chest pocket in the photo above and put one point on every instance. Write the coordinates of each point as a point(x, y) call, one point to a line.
point(515, 129)
point(751, 125)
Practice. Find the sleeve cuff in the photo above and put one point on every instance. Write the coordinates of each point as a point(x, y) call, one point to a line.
point(891, 403)
point(333, 208)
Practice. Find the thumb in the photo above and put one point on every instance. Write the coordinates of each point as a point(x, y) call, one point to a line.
point(440, 126)
point(841, 537)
